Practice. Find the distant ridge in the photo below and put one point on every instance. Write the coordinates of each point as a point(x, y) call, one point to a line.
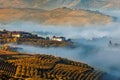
point(58, 16)
point(52, 4)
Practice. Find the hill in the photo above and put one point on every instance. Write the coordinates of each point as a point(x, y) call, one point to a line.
point(23, 66)
point(99, 4)
point(59, 16)
point(52, 4)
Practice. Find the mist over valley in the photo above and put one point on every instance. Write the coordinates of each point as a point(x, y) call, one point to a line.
point(94, 32)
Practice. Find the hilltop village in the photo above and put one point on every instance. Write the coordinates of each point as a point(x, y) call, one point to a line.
point(22, 37)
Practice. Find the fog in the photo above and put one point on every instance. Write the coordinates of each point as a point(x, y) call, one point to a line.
point(92, 42)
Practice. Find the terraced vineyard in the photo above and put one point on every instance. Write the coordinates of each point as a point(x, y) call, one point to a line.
point(7, 68)
point(44, 67)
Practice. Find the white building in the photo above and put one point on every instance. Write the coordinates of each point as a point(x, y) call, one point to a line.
point(58, 38)
point(20, 34)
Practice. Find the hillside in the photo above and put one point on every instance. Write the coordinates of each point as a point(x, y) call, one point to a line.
point(23, 66)
point(99, 4)
point(52, 4)
point(59, 16)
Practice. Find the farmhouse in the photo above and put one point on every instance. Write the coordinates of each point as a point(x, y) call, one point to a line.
point(58, 38)
point(5, 34)
point(21, 34)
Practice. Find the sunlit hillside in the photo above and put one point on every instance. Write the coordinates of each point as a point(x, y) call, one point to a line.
point(52, 4)
point(59, 16)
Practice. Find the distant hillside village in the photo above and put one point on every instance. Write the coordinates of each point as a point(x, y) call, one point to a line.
point(7, 34)
point(22, 37)
point(21, 34)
